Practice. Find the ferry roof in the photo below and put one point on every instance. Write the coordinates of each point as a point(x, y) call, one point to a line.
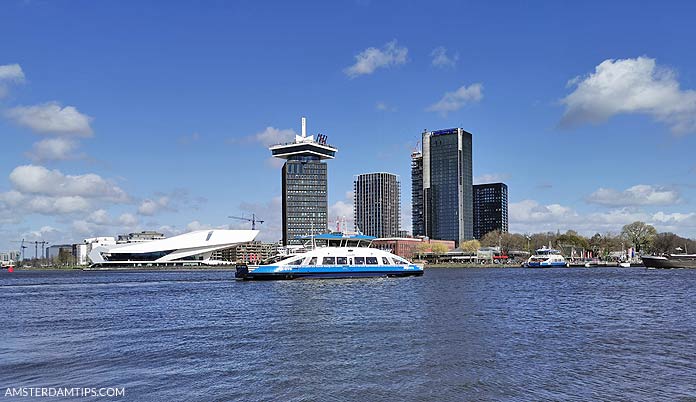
point(337, 236)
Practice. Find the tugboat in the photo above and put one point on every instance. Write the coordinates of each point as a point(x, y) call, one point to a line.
point(334, 262)
point(546, 258)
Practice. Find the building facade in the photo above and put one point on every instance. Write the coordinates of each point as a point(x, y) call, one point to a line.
point(446, 184)
point(377, 204)
point(146, 235)
point(418, 224)
point(490, 208)
point(254, 252)
point(409, 247)
point(304, 185)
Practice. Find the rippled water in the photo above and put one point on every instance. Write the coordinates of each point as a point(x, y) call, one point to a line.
point(453, 334)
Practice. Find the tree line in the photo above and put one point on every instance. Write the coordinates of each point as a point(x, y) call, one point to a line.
point(643, 237)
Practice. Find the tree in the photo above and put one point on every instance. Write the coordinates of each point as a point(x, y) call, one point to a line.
point(439, 248)
point(470, 246)
point(640, 234)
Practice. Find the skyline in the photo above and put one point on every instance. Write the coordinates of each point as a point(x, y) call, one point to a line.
point(119, 118)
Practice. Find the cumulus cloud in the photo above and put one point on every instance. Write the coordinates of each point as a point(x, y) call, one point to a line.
point(627, 86)
point(10, 74)
point(339, 210)
point(128, 220)
point(491, 178)
point(441, 59)
point(641, 194)
point(453, 101)
point(271, 136)
point(33, 179)
point(55, 205)
point(52, 118)
point(151, 207)
point(370, 59)
point(53, 149)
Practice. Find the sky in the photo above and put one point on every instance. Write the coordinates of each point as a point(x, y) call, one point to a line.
point(121, 116)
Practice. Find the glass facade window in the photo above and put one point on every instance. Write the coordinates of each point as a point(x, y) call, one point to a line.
point(377, 204)
point(490, 208)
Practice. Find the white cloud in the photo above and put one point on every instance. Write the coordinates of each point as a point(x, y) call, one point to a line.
point(100, 217)
point(384, 107)
point(32, 179)
point(10, 73)
point(641, 194)
point(195, 225)
point(53, 149)
point(370, 59)
point(271, 136)
point(56, 205)
point(453, 101)
point(128, 220)
point(491, 178)
point(630, 86)
point(338, 211)
point(52, 118)
point(151, 207)
point(440, 58)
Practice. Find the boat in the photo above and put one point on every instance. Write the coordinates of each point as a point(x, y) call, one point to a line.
point(333, 262)
point(669, 261)
point(546, 258)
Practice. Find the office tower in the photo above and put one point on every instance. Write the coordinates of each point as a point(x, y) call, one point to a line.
point(447, 203)
point(304, 184)
point(490, 208)
point(377, 204)
point(417, 223)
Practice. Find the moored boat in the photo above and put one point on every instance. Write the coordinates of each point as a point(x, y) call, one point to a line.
point(670, 261)
point(334, 262)
point(546, 258)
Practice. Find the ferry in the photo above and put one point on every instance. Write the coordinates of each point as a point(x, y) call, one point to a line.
point(333, 262)
point(546, 258)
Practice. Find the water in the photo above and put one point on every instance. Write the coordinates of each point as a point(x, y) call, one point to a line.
point(453, 334)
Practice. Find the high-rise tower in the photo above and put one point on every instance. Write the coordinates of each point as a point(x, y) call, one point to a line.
point(490, 208)
point(377, 204)
point(447, 201)
point(304, 184)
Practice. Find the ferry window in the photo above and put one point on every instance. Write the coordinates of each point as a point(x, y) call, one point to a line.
point(341, 260)
point(359, 260)
point(385, 261)
point(399, 261)
point(295, 262)
point(371, 260)
point(312, 261)
point(328, 261)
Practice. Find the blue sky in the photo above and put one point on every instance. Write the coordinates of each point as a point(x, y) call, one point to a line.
point(122, 116)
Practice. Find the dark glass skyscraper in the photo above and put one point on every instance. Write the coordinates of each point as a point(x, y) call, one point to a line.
point(377, 204)
point(447, 184)
point(304, 180)
point(418, 225)
point(490, 208)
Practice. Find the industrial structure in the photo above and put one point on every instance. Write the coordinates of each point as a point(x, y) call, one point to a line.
point(446, 185)
point(490, 208)
point(304, 184)
point(377, 204)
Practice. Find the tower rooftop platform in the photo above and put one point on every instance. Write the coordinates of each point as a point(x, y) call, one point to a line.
point(305, 148)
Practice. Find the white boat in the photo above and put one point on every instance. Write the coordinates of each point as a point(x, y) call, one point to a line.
point(334, 262)
point(546, 258)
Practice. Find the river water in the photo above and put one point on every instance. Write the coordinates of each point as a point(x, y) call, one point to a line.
point(453, 334)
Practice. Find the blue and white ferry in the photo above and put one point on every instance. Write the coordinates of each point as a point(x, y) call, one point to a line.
point(334, 262)
point(546, 258)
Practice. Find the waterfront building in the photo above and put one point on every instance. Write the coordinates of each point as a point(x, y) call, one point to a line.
point(189, 249)
point(377, 204)
point(146, 235)
point(418, 225)
point(304, 184)
point(490, 208)
point(253, 252)
point(409, 247)
point(56, 250)
point(9, 258)
point(446, 185)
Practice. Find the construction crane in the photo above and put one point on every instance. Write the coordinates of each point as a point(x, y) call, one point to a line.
point(36, 243)
point(253, 220)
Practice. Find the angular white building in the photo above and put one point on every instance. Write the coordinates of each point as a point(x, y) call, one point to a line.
point(189, 249)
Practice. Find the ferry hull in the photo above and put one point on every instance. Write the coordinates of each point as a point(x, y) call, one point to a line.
point(671, 262)
point(264, 273)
